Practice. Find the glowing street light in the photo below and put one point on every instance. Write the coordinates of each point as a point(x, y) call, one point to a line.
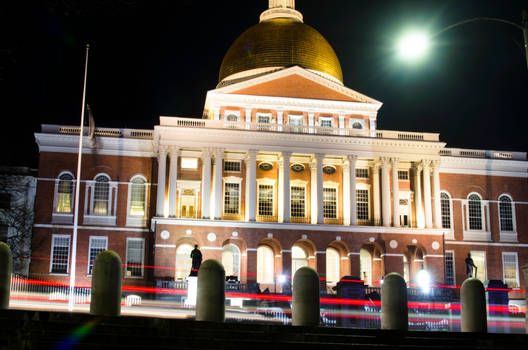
point(423, 279)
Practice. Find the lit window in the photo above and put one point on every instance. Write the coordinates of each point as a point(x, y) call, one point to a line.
point(134, 257)
point(265, 200)
point(479, 259)
point(510, 269)
point(183, 261)
point(330, 203)
point(365, 266)
point(362, 173)
point(299, 259)
point(97, 245)
point(445, 208)
point(506, 214)
point(101, 195)
point(233, 166)
point(60, 254)
point(189, 163)
point(231, 198)
point(362, 200)
point(403, 175)
point(297, 202)
point(64, 194)
point(475, 212)
point(137, 197)
point(231, 260)
point(265, 264)
point(450, 267)
point(332, 266)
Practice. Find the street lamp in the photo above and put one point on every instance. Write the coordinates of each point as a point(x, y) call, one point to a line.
point(413, 45)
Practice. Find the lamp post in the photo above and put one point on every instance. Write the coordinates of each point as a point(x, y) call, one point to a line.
point(415, 44)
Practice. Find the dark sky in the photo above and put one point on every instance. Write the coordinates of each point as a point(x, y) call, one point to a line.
point(150, 58)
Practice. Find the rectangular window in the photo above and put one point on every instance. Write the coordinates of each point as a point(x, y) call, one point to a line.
point(479, 259)
point(134, 257)
point(510, 269)
point(450, 267)
point(362, 204)
point(189, 163)
point(326, 122)
point(97, 245)
point(330, 203)
point(297, 122)
point(265, 200)
point(232, 166)
point(264, 118)
point(403, 175)
point(137, 198)
point(362, 173)
point(297, 202)
point(231, 198)
point(60, 254)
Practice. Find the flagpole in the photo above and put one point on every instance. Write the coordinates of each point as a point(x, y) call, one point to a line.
point(77, 187)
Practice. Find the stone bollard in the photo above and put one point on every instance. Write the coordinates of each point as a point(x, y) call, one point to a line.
point(6, 267)
point(394, 311)
point(210, 299)
point(473, 306)
point(106, 284)
point(525, 272)
point(305, 295)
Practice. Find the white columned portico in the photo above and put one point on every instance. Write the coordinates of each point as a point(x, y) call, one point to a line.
point(395, 194)
point(436, 194)
point(219, 155)
point(427, 193)
point(173, 180)
point(385, 192)
point(162, 169)
point(286, 186)
point(320, 204)
point(206, 183)
point(418, 196)
point(376, 193)
point(352, 159)
point(313, 191)
point(251, 185)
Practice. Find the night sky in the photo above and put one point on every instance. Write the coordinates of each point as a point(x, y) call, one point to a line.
point(151, 58)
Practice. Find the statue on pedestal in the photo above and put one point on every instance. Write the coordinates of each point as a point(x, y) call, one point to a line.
point(196, 256)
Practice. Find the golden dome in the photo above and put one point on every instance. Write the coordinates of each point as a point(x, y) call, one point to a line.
point(279, 43)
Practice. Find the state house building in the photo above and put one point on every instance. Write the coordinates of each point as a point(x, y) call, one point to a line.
point(285, 169)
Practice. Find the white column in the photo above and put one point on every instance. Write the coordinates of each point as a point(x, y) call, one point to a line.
point(248, 115)
point(346, 192)
point(352, 159)
point(341, 124)
point(313, 192)
point(162, 169)
point(395, 194)
point(427, 194)
point(219, 155)
point(280, 203)
point(251, 185)
point(418, 196)
point(216, 113)
point(385, 192)
point(436, 194)
point(320, 204)
point(376, 193)
point(311, 122)
point(206, 183)
point(173, 180)
point(286, 186)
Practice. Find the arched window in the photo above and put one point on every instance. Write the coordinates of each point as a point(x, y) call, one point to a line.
point(299, 258)
point(332, 266)
point(183, 261)
point(365, 266)
point(101, 195)
point(506, 213)
point(475, 212)
point(265, 264)
point(445, 208)
point(64, 194)
point(137, 196)
point(357, 125)
point(231, 260)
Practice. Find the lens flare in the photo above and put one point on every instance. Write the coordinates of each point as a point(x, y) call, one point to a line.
point(413, 46)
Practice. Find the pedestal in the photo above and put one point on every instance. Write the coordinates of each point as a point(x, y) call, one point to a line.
point(192, 289)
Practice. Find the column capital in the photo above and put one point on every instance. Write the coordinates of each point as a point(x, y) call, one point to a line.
point(252, 154)
point(435, 164)
point(163, 150)
point(384, 161)
point(286, 155)
point(417, 166)
point(375, 167)
point(352, 157)
point(218, 152)
point(394, 162)
point(174, 151)
point(426, 163)
point(206, 152)
point(319, 156)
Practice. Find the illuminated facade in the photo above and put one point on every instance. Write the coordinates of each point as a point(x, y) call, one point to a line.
point(285, 169)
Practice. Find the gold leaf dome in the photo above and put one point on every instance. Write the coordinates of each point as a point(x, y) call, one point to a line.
point(277, 43)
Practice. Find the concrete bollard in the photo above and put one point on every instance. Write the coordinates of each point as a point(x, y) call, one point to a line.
point(106, 284)
point(473, 306)
point(305, 295)
point(394, 311)
point(6, 267)
point(525, 272)
point(210, 299)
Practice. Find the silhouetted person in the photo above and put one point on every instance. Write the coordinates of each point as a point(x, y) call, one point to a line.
point(196, 256)
point(469, 266)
